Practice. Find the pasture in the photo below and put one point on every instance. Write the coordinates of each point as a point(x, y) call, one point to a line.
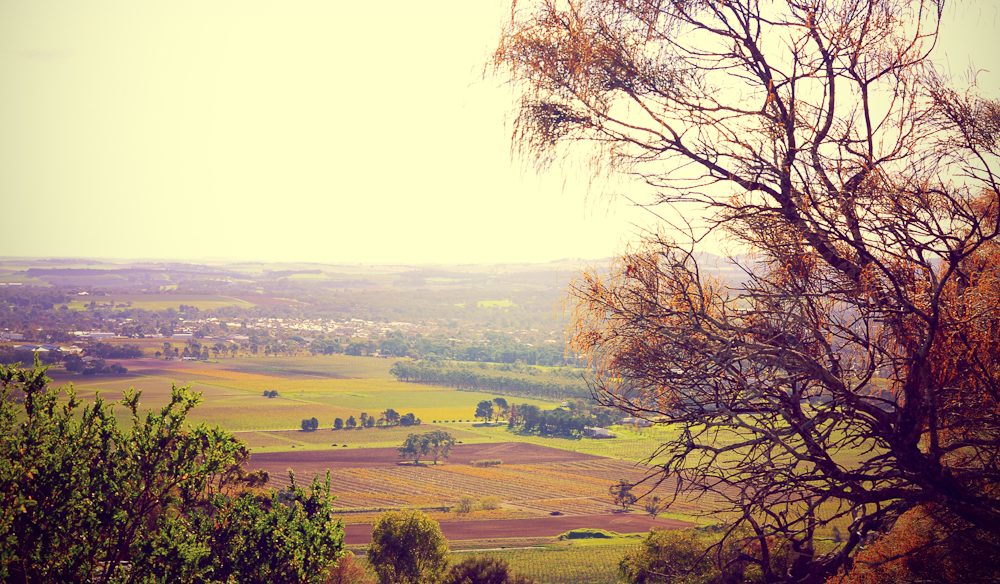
point(543, 486)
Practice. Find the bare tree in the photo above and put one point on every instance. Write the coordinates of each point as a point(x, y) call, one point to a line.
point(852, 373)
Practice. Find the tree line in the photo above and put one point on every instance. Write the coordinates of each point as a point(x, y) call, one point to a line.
point(569, 421)
point(469, 379)
point(387, 418)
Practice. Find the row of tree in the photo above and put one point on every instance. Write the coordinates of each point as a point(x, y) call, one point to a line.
point(387, 418)
point(470, 379)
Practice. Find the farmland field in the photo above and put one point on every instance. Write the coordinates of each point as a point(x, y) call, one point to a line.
point(577, 562)
point(542, 486)
point(323, 387)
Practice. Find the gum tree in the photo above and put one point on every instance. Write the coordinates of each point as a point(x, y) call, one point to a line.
point(851, 372)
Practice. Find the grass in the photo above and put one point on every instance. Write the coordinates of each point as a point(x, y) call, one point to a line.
point(324, 387)
point(569, 562)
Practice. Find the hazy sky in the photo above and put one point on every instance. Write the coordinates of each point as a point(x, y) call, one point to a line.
point(301, 131)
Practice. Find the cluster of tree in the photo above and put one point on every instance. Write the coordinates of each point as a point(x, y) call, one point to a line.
point(562, 421)
point(91, 366)
point(12, 355)
point(109, 351)
point(467, 378)
point(85, 498)
point(434, 445)
point(408, 548)
point(866, 189)
point(310, 424)
point(387, 418)
point(270, 393)
point(492, 410)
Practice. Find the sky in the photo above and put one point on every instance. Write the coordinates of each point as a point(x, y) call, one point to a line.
point(318, 131)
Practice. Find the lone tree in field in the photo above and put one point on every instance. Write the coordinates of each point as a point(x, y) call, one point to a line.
point(852, 372)
point(622, 494)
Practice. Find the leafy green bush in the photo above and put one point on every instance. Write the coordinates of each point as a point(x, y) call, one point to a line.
point(82, 499)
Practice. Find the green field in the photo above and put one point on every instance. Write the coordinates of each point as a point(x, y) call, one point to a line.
point(324, 387)
point(565, 562)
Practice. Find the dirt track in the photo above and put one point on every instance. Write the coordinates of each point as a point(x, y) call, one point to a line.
point(360, 534)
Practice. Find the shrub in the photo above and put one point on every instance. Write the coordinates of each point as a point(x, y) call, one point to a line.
point(85, 498)
point(465, 504)
point(489, 503)
point(588, 534)
point(483, 570)
point(487, 462)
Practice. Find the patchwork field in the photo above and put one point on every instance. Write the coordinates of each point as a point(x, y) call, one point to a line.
point(324, 387)
point(541, 488)
point(537, 491)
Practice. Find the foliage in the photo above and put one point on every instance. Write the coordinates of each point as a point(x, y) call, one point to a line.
point(587, 534)
point(484, 410)
point(653, 505)
point(407, 548)
point(917, 550)
point(851, 366)
point(349, 571)
point(483, 570)
point(466, 503)
point(688, 556)
point(310, 424)
point(436, 444)
point(486, 462)
point(83, 499)
point(548, 386)
point(562, 421)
